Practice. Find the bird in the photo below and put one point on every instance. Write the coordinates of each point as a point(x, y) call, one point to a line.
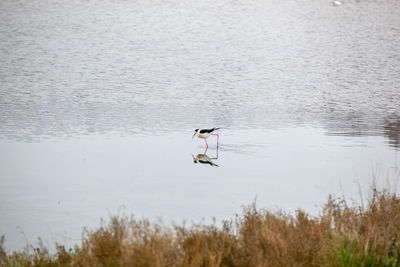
point(204, 159)
point(205, 133)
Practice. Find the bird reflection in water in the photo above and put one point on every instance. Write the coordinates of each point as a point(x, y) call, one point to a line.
point(204, 159)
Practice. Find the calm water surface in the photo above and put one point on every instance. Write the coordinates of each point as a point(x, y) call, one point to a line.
point(99, 100)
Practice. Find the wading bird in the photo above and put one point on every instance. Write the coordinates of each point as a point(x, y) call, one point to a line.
point(205, 133)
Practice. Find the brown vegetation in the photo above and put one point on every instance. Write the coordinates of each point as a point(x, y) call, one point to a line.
point(343, 235)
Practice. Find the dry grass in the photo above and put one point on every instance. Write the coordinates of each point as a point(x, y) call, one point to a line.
point(343, 235)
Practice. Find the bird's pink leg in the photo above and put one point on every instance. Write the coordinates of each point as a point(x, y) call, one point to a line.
point(205, 139)
point(217, 138)
point(217, 154)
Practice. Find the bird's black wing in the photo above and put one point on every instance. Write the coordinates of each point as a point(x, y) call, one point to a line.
point(208, 130)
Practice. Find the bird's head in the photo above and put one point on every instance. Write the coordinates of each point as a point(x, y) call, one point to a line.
point(195, 132)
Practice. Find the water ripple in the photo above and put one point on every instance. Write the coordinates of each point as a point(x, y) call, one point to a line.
point(78, 67)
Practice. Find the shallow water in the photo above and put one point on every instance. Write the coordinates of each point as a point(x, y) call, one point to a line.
point(99, 100)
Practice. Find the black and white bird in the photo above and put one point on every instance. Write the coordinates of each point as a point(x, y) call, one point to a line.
point(205, 133)
point(204, 159)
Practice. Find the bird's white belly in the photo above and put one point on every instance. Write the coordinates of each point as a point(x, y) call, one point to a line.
point(203, 135)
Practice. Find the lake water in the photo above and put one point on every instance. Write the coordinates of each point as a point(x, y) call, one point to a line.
point(99, 100)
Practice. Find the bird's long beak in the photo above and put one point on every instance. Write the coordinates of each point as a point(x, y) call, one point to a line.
point(194, 135)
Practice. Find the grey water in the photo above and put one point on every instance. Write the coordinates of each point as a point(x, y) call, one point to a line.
point(99, 100)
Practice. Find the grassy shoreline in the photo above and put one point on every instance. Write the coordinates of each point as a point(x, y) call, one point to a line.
point(342, 235)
